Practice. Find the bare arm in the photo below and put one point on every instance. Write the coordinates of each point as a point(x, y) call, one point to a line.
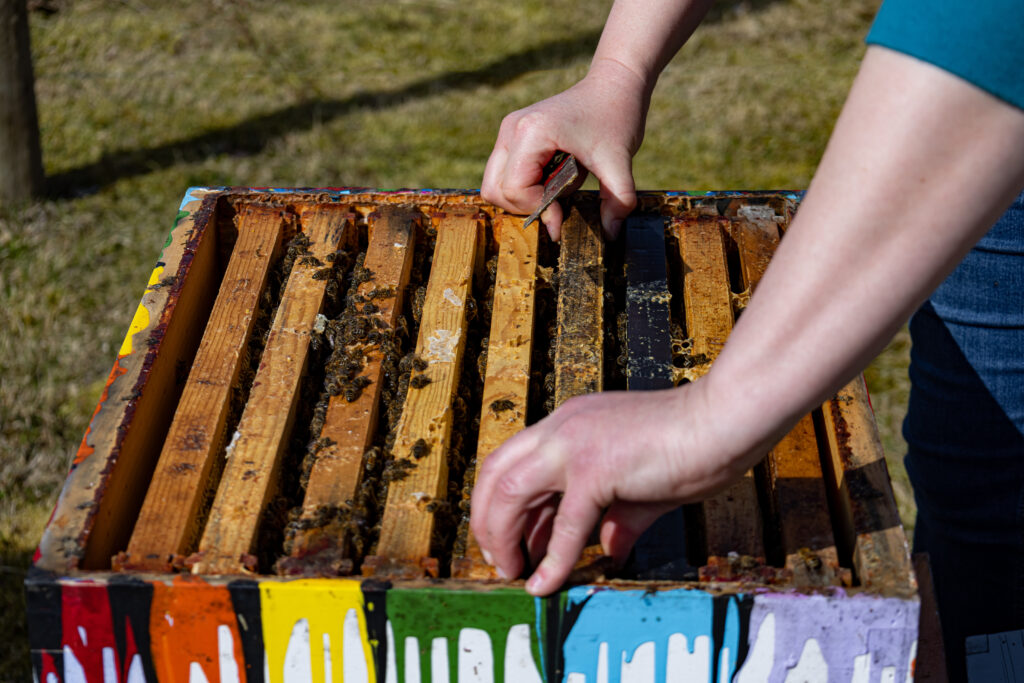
point(600, 119)
point(919, 166)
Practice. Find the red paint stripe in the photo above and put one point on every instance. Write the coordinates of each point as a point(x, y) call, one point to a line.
point(87, 625)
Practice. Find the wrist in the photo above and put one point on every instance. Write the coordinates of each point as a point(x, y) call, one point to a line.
point(625, 77)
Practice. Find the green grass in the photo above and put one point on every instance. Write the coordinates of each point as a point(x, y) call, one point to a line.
point(140, 99)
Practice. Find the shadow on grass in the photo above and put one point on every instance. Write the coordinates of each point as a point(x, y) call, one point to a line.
point(15, 664)
point(252, 135)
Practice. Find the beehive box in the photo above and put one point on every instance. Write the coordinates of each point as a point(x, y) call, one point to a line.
point(275, 483)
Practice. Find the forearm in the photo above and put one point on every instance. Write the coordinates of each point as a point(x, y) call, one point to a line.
point(644, 35)
point(919, 166)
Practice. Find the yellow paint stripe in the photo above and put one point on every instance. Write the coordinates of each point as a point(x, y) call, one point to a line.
point(141, 319)
point(324, 604)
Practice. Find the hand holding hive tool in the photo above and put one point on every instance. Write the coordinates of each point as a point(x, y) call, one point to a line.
point(559, 177)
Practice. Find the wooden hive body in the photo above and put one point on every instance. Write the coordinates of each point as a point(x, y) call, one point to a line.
point(274, 485)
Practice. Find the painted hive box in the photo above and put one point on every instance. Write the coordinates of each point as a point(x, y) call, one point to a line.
point(275, 484)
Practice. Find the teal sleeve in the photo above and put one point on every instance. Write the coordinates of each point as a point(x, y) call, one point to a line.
point(980, 41)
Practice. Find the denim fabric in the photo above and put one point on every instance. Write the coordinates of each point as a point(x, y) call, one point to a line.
point(965, 436)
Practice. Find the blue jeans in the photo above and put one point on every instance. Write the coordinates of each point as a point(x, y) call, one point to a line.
point(965, 436)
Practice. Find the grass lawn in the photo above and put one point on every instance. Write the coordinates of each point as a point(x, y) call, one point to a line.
point(141, 99)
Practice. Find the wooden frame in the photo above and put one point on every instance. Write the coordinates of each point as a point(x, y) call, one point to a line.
point(812, 599)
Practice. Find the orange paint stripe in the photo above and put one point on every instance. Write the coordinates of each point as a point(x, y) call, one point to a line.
point(184, 621)
point(85, 450)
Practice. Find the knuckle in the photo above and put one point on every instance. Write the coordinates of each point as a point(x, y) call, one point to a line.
point(511, 488)
point(529, 123)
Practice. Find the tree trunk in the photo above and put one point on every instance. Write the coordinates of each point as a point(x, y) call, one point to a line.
point(21, 169)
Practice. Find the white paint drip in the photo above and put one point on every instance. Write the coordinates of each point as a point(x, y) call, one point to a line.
point(412, 659)
point(355, 668)
point(682, 666)
point(602, 663)
point(196, 673)
point(83, 636)
point(328, 665)
point(73, 671)
point(136, 674)
point(439, 661)
point(169, 619)
point(298, 663)
point(640, 667)
point(724, 674)
point(392, 674)
point(226, 655)
point(476, 656)
point(441, 346)
point(888, 675)
point(519, 664)
point(910, 662)
point(50, 678)
point(811, 668)
point(575, 678)
point(861, 669)
point(761, 657)
point(109, 665)
point(451, 297)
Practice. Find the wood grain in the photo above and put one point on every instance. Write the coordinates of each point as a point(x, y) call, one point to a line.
point(732, 519)
point(801, 504)
point(349, 426)
point(860, 483)
point(579, 347)
point(507, 379)
point(661, 549)
point(408, 523)
point(797, 493)
point(187, 471)
point(254, 456)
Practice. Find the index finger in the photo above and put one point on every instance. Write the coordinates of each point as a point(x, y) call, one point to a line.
point(513, 481)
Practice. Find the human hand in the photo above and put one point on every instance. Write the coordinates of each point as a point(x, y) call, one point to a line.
point(632, 456)
point(600, 120)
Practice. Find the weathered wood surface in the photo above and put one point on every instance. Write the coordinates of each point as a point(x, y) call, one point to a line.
point(579, 348)
point(801, 504)
point(116, 460)
point(424, 430)
point(732, 519)
point(254, 455)
point(510, 344)
point(660, 552)
point(860, 480)
point(349, 427)
point(794, 476)
point(706, 292)
point(648, 318)
point(187, 471)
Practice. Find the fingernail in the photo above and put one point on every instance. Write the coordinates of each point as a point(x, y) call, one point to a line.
point(487, 557)
point(533, 583)
point(501, 573)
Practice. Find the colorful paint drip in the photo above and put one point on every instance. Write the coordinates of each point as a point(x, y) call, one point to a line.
point(324, 630)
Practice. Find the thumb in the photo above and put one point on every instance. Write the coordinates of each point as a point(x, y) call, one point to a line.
point(623, 524)
point(618, 194)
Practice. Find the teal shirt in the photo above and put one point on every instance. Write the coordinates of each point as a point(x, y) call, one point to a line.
point(981, 41)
